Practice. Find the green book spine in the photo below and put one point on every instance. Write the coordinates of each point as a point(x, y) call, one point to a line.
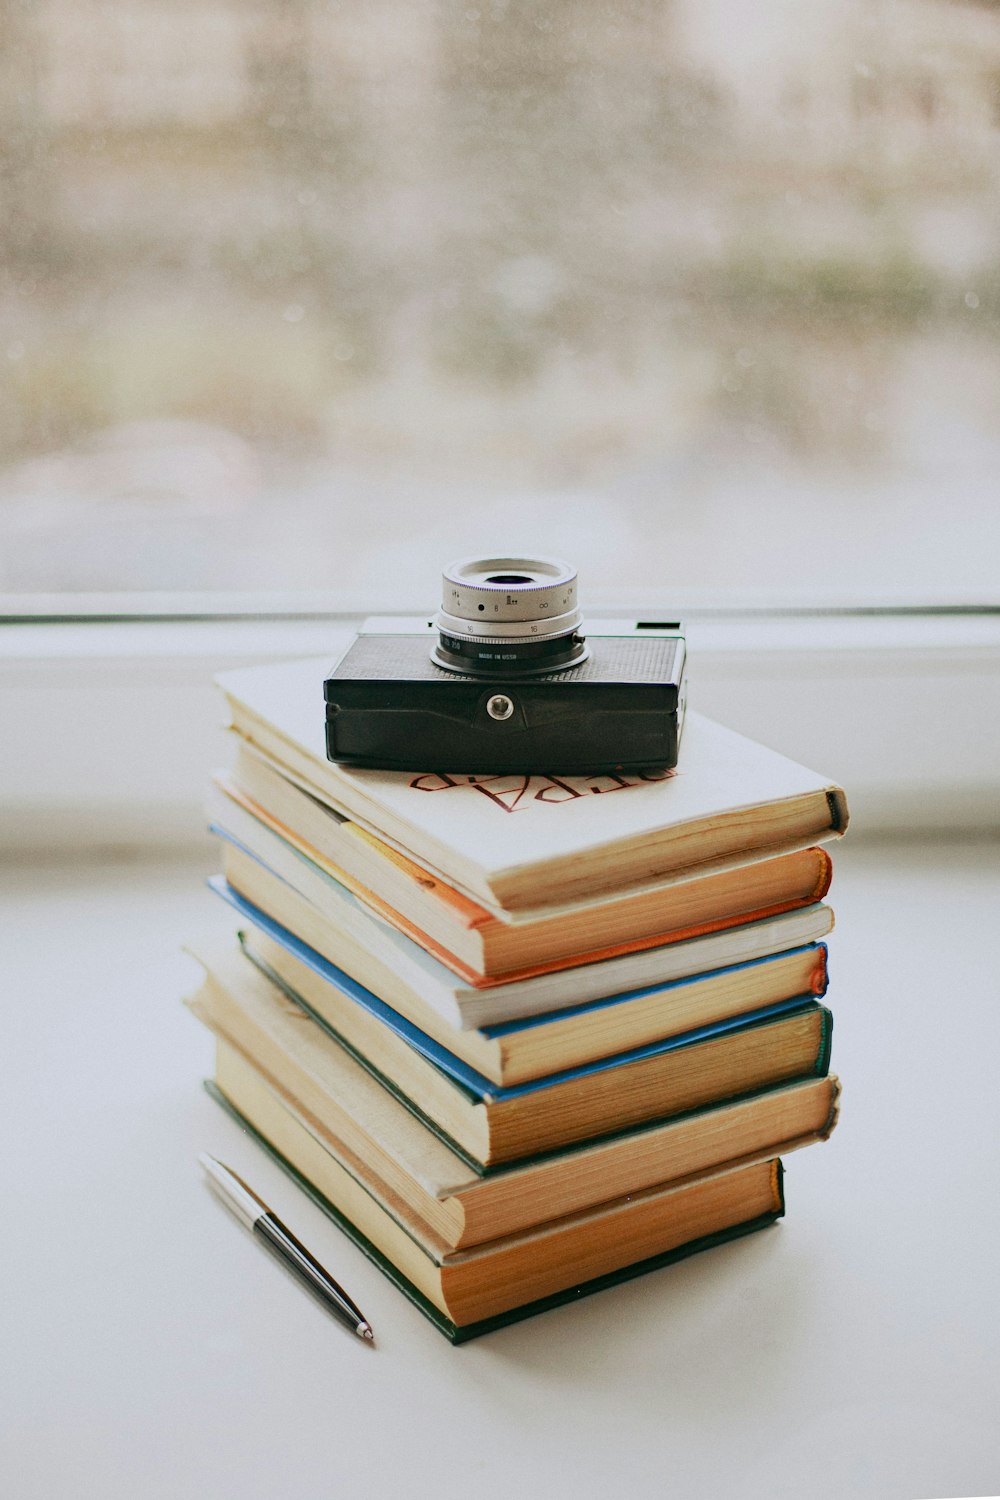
point(461, 1335)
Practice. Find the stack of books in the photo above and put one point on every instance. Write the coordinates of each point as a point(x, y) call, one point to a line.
point(520, 1036)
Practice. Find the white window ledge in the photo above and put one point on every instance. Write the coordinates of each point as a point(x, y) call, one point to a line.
point(110, 726)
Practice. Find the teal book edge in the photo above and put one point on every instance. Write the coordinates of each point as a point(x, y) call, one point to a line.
point(461, 1335)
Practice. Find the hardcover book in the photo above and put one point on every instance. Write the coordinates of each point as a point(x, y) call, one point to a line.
point(518, 1051)
point(415, 981)
point(322, 853)
point(493, 1123)
point(530, 842)
point(467, 1293)
point(352, 1114)
point(534, 1046)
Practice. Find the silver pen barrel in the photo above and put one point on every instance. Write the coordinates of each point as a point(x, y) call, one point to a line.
point(232, 1191)
point(255, 1215)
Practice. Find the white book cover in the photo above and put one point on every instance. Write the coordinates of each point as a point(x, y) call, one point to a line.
point(533, 840)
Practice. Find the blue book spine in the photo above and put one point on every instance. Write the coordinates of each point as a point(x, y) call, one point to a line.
point(469, 1079)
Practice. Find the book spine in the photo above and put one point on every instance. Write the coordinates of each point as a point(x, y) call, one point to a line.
point(839, 815)
point(824, 876)
point(828, 1127)
point(825, 1042)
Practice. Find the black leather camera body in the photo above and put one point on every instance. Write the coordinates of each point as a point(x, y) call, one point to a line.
point(390, 706)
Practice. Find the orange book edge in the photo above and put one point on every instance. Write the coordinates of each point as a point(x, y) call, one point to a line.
point(472, 977)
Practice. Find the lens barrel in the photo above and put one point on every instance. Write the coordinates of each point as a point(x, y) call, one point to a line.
point(509, 615)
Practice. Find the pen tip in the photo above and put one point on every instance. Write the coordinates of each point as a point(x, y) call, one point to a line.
point(364, 1332)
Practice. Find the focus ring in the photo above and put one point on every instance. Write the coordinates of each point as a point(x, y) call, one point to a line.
point(486, 629)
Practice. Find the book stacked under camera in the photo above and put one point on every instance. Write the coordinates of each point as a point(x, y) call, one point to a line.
point(521, 1037)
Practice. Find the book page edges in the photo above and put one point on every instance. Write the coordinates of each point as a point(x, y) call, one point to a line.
point(468, 910)
point(449, 1197)
point(507, 886)
point(482, 983)
point(478, 983)
point(467, 913)
point(437, 1172)
point(461, 1246)
point(478, 911)
point(478, 1007)
point(466, 1332)
point(426, 1152)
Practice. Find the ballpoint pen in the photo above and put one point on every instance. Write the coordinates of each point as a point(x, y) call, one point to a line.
point(255, 1215)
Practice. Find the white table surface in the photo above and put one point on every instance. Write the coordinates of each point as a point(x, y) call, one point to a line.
point(151, 1349)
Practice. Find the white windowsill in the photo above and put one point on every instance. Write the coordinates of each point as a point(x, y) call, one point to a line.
point(110, 728)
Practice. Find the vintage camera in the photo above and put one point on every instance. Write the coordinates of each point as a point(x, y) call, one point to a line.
point(503, 680)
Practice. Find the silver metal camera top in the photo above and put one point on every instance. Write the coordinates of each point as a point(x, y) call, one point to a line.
point(509, 614)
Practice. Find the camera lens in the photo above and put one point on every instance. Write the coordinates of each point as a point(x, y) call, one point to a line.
point(509, 616)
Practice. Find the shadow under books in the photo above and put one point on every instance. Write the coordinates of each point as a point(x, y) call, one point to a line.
point(694, 1329)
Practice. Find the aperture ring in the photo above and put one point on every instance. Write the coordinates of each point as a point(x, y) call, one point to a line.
point(492, 630)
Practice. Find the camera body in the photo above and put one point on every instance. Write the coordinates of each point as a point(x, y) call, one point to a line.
point(389, 706)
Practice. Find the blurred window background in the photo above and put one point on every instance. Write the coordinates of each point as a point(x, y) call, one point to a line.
point(308, 294)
